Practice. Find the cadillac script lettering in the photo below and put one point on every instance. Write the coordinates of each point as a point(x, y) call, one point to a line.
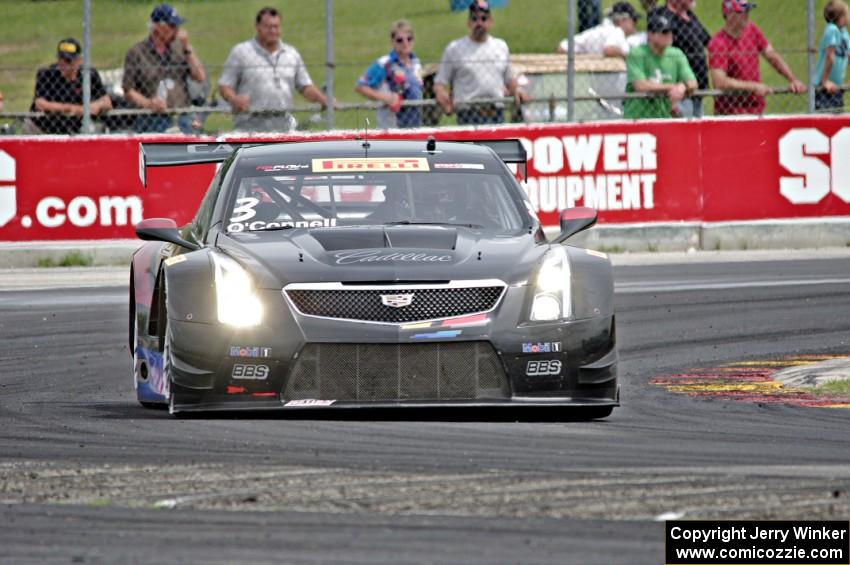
point(348, 258)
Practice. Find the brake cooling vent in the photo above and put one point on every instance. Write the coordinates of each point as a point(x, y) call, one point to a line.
point(389, 372)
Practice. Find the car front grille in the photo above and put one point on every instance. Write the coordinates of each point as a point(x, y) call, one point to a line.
point(397, 372)
point(426, 303)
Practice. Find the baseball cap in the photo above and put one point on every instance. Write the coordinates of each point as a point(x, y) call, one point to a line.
point(624, 8)
point(479, 6)
point(740, 6)
point(165, 13)
point(69, 48)
point(658, 24)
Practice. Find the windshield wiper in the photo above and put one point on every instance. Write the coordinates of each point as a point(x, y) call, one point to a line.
point(276, 228)
point(419, 223)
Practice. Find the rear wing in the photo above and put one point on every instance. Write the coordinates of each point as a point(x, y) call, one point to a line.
point(510, 151)
point(175, 154)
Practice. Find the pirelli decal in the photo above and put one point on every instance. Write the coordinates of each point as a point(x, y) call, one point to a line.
point(413, 164)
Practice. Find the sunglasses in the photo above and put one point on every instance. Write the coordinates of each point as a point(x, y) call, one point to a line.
point(481, 18)
point(400, 39)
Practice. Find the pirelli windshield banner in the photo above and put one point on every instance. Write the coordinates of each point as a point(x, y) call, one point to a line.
point(331, 165)
point(665, 171)
point(757, 542)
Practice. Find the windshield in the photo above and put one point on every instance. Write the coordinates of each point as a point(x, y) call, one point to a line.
point(266, 201)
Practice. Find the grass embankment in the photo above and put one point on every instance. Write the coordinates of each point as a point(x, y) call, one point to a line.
point(72, 259)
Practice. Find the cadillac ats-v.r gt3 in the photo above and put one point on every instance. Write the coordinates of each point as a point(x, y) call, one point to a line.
point(368, 274)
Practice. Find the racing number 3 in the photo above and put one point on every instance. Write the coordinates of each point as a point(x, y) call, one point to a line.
point(244, 209)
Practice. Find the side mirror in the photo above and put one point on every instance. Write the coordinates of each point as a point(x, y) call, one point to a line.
point(162, 229)
point(574, 220)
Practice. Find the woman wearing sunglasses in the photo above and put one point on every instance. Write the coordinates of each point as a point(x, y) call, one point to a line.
point(394, 78)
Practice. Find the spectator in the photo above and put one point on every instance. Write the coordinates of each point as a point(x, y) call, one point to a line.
point(610, 38)
point(832, 63)
point(658, 68)
point(156, 70)
point(734, 62)
point(476, 67)
point(59, 93)
point(589, 14)
point(261, 74)
point(394, 78)
point(691, 37)
point(1, 100)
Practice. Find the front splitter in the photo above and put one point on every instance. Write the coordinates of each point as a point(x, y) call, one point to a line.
point(227, 405)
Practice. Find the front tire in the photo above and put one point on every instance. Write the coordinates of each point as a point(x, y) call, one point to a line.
point(596, 412)
point(167, 385)
point(173, 398)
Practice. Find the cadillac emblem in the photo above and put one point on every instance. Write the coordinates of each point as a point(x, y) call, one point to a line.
point(396, 300)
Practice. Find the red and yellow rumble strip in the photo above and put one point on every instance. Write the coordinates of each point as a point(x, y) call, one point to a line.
point(752, 381)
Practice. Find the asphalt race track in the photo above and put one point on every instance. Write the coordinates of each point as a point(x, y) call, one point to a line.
point(88, 476)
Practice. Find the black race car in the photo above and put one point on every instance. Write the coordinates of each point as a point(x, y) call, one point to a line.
point(352, 274)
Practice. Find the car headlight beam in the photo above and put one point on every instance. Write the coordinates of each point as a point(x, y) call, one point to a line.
point(552, 295)
point(238, 303)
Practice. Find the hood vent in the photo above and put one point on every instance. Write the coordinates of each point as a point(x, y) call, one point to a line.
point(378, 237)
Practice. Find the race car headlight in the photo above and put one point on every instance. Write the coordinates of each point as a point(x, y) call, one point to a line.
point(552, 297)
point(238, 304)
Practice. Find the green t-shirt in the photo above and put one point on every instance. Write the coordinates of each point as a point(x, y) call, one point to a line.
point(643, 64)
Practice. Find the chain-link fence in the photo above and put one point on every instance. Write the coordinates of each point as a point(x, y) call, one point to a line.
point(219, 66)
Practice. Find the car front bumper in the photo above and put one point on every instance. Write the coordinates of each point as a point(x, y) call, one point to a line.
point(568, 363)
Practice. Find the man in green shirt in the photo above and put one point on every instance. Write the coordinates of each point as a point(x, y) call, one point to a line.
point(658, 68)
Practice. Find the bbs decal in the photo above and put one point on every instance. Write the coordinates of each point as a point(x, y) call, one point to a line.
point(544, 367)
point(250, 372)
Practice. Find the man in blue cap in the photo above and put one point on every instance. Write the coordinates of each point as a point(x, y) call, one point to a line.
point(156, 69)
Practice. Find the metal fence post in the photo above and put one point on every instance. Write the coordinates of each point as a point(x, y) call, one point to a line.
point(87, 127)
point(810, 55)
point(329, 64)
point(571, 64)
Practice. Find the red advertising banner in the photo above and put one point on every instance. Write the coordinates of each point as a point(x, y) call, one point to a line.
point(69, 188)
point(60, 188)
point(775, 168)
point(630, 172)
